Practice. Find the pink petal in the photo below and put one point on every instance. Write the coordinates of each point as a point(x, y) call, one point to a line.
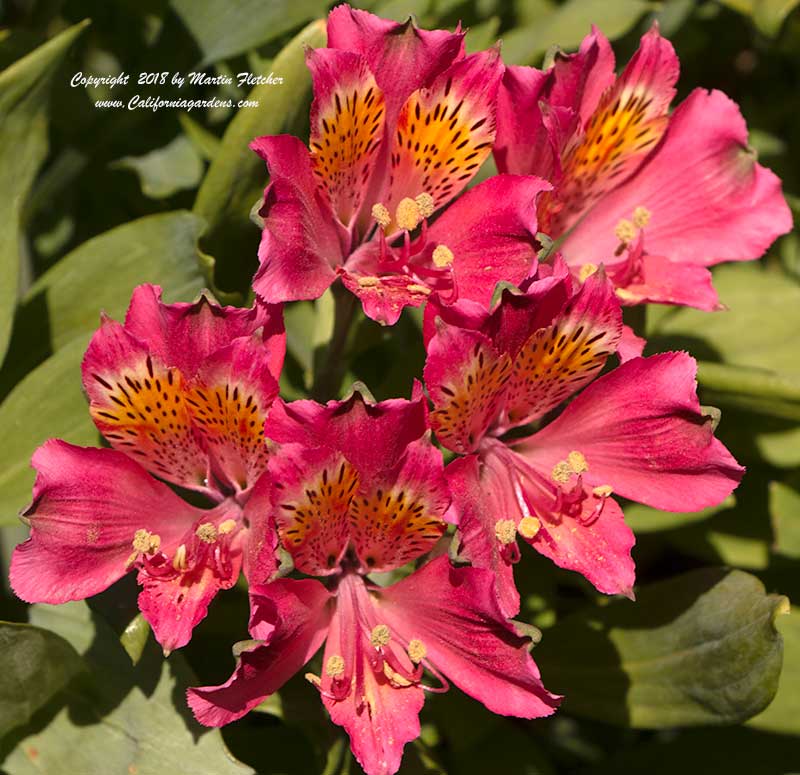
point(383, 298)
point(708, 199)
point(454, 612)
point(641, 431)
point(87, 506)
point(260, 561)
point(302, 239)
point(295, 615)
point(630, 345)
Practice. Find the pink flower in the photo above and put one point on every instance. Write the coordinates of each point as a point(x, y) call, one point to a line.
point(401, 121)
point(637, 431)
point(654, 197)
point(180, 392)
point(357, 488)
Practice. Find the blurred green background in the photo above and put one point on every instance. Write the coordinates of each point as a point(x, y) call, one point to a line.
point(94, 201)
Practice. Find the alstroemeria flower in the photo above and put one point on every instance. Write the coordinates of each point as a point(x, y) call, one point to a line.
point(180, 392)
point(357, 488)
point(637, 431)
point(656, 198)
point(400, 123)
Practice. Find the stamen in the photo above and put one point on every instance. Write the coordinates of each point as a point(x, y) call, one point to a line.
point(506, 531)
point(625, 231)
point(603, 491)
point(578, 462)
point(380, 636)
point(313, 679)
point(586, 271)
point(641, 217)
point(408, 214)
point(395, 677)
point(442, 256)
point(179, 560)
point(369, 282)
point(528, 527)
point(227, 526)
point(381, 215)
point(416, 651)
point(561, 472)
point(425, 204)
point(414, 288)
point(146, 542)
point(207, 532)
point(334, 667)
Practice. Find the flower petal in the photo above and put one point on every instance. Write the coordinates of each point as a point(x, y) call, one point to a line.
point(295, 614)
point(87, 506)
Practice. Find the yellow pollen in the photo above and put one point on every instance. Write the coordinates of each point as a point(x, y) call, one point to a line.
point(561, 472)
point(528, 527)
point(179, 560)
point(425, 204)
point(380, 636)
point(395, 677)
point(442, 256)
point(505, 531)
point(146, 542)
point(641, 217)
point(369, 282)
point(407, 214)
point(313, 679)
point(206, 532)
point(381, 215)
point(603, 491)
point(228, 526)
point(578, 462)
point(625, 231)
point(334, 667)
point(414, 288)
point(416, 651)
point(624, 295)
point(587, 270)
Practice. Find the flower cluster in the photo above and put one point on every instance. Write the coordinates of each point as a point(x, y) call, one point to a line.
point(532, 381)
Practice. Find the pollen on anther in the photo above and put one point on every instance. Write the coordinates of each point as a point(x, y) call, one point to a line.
point(641, 217)
point(625, 231)
point(415, 288)
point(146, 542)
point(207, 532)
point(528, 527)
point(334, 667)
point(179, 560)
point(586, 271)
point(408, 214)
point(228, 526)
point(561, 472)
point(381, 215)
point(577, 462)
point(603, 491)
point(425, 204)
point(416, 651)
point(380, 636)
point(369, 282)
point(442, 256)
point(505, 531)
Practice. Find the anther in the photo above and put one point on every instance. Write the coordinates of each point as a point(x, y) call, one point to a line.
point(425, 204)
point(380, 636)
point(561, 472)
point(334, 667)
point(146, 542)
point(179, 560)
point(416, 651)
point(528, 527)
point(641, 217)
point(442, 256)
point(586, 271)
point(369, 282)
point(381, 215)
point(625, 231)
point(603, 491)
point(577, 462)
point(228, 526)
point(415, 288)
point(624, 295)
point(407, 214)
point(505, 531)
point(206, 532)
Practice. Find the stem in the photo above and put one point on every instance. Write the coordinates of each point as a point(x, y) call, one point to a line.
point(330, 364)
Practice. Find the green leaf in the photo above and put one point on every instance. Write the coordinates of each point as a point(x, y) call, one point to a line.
point(165, 171)
point(223, 29)
point(643, 519)
point(701, 648)
point(206, 143)
point(34, 665)
point(47, 403)
point(236, 177)
point(118, 719)
point(24, 88)
point(134, 637)
point(568, 24)
point(784, 509)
